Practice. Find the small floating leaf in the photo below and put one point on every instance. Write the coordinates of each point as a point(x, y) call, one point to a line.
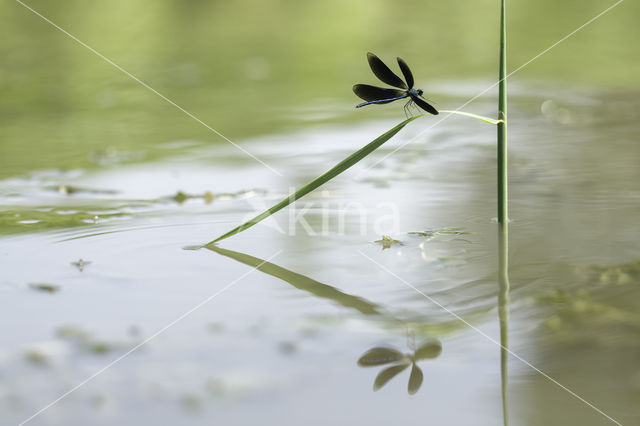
point(80, 264)
point(429, 350)
point(72, 333)
point(48, 288)
point(70, 190)
point(387, 242)
point(208, 197)
point(453, 231)
point(431, 233)
point(99, 348)
point(192, 402)
point(181, 197)
point(380, 356)
point(287, 348)
point(36, 357)
point(415, 380)
point(387, 374)
point(428, 234)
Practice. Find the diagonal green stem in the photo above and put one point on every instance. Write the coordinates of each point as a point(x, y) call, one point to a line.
point(333, 172)
point(476, 116)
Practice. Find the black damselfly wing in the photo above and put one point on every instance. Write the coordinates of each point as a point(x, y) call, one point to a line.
point(406, 72)
point(424, 105)
point(384, 73)
point(375, 93)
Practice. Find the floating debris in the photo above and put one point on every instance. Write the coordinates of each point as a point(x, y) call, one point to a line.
point(387, 242)
point(84, 341)
point(99, 348)
point(36, 357)
point(287, 348)
point(192, 402)
point(80, 264)
point(47, 288)
point(208, 196)
point(71, 190)
point(181, 197)
point(71, 333)
point(433, 233)
point(98, 400)
point(216, 386)
point(215, 327)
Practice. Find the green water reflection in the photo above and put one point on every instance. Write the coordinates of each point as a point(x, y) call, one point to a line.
point(503, 315)
point(302, 282)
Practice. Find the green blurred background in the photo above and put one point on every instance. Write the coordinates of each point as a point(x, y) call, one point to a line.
point(249, 68)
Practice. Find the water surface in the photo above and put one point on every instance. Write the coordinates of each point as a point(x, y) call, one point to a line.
point(104, 186)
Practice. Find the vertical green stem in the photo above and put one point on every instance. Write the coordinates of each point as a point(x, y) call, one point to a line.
point(503, 215)
point(503, 314)
point(503, 207)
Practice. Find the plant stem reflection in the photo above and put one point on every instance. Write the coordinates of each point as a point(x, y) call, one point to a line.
point(503, 313)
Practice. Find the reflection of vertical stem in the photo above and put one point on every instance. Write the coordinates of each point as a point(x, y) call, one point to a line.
point(503, 209)
point(503, 312)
